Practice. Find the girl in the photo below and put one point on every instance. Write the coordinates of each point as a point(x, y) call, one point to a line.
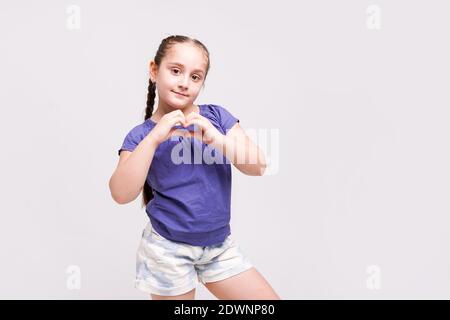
point(176, 157)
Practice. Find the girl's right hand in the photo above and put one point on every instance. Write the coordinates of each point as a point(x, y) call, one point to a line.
point(164, 127)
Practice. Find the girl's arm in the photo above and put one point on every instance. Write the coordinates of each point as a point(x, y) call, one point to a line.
point(246, 156)
point(129, 177)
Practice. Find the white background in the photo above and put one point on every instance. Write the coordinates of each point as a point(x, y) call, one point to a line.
point(362, 114)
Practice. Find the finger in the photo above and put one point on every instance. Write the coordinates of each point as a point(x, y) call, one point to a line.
point(176, 112)
point(172, 132)
point(199, 122)
point(172, 115)
point(179, 119)
point(193, 115)
point(179, 132)
point(199, 128)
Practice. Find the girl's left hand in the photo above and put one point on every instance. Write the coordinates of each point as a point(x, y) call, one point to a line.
point(209, 133)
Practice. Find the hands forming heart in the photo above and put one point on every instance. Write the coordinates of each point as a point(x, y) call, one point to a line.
point(166, 127)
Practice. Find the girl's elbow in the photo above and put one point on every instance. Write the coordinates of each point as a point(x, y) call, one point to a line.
point(262, 169)
point(252, 170)
point(262, 164)
point(119, 199)
point(115, 195)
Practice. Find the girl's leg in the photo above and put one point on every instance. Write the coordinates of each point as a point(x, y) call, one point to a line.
point(185, 296)
point(247, 285)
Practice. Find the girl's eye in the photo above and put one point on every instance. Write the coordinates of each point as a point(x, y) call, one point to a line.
point(173, 69)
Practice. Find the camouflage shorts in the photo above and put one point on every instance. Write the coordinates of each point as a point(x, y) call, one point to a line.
point(169, 268)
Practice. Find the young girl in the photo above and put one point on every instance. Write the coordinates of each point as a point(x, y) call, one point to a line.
point(180, 158)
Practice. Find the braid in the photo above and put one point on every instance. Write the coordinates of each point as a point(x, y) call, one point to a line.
point(147, 193)
point(150, 99)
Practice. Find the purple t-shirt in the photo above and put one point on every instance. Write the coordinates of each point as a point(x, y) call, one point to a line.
point(191, 183)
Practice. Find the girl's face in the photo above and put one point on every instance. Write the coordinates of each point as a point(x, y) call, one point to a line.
point(180, 75)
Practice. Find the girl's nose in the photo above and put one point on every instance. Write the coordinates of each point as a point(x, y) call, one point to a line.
point(184, 82)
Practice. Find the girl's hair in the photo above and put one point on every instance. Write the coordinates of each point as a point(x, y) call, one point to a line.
point(164, 47)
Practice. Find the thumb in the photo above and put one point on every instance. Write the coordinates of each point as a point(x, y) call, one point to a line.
point(179, 132)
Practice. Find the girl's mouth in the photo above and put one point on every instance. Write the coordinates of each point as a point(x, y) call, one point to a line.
point(179, 94)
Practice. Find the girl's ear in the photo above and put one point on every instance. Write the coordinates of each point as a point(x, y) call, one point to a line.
point(152, 70)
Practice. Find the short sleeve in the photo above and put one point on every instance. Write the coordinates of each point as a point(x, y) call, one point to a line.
point(226, 119)
point(132, 139)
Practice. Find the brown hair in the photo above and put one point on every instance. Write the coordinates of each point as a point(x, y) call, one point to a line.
point(164, 47)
